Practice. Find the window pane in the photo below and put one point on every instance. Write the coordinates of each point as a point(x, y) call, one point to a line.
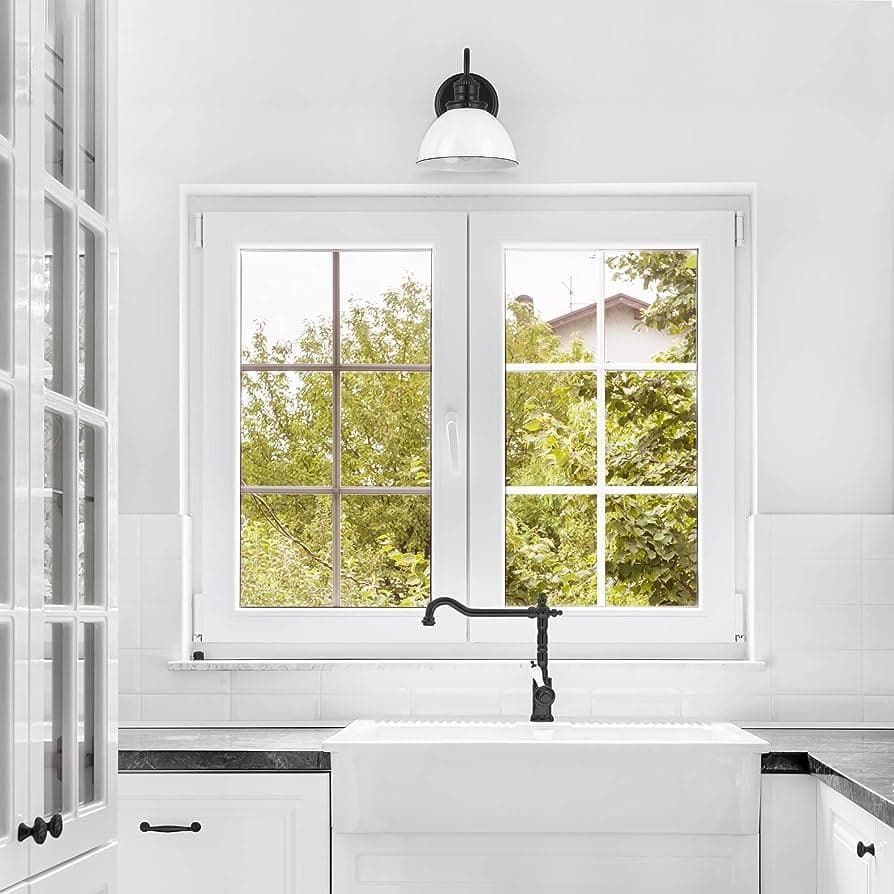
point(650, 306)
point(87, 315)
point(287, 428)
point(550, 428)
point(385, 301)
point(6, 71)
point(650, 428)
point(89, 684)
point(6, 492)
point(54, 317)
point(55, 508)
point(287, 307)
point(54, 87)
point(385, 429)
point(7, 284)
point(551, 306)
point(87, 100)
point(88, 593)
point(551, 548)
point(57, 657)
point(651, 550)
point(286, 550)
point(385, 551)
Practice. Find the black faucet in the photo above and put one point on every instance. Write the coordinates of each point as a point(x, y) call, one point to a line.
point(543, 695)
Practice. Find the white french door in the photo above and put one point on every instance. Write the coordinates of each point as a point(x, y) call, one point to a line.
point(65, 521)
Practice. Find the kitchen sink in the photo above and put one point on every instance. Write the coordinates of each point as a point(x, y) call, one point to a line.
point(594, 778)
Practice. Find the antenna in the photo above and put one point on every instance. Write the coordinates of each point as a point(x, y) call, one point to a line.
point(570, 286)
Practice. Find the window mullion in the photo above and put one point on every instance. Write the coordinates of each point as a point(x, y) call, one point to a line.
point(336, 429)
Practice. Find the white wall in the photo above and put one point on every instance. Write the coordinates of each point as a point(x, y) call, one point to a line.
point(796, 97)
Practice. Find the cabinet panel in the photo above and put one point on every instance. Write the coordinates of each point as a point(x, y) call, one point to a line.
point(256, 832)
point(94, 873)
point(841, 827)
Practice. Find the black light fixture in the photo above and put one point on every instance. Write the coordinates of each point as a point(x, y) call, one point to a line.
point(466, 135)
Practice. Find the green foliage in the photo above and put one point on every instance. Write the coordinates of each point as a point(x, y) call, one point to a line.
point(550, 440)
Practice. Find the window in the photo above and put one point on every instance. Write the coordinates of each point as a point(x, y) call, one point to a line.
point(488, 404)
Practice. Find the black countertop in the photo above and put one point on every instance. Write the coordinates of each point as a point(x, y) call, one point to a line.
point(857, 763)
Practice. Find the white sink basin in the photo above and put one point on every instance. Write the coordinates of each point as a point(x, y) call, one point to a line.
point(484, 776)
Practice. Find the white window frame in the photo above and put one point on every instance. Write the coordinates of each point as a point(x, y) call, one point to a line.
point(471, 558)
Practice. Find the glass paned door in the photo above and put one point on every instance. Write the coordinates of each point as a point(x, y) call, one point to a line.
point(72, 557)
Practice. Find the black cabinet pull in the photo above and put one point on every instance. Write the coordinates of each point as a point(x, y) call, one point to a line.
point(864, 849)
point(54, 826)
point(38, 831)
point(192, 827)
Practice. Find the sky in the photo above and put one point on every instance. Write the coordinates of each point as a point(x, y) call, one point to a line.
point(288, 288)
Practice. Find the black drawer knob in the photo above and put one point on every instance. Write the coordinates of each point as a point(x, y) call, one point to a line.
point(54, 826)
point(192, 827)
point(864, 849)
point(38, 831)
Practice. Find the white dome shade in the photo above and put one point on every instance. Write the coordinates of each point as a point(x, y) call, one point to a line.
point(466, 140)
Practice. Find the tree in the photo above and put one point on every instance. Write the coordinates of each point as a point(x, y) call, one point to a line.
point(550, 439)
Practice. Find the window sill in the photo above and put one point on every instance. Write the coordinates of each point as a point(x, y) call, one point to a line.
point(302, 664)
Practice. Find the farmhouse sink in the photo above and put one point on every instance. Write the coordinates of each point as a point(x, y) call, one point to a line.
point(421, 777)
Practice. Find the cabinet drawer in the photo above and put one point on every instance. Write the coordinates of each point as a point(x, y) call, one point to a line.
point(256, 832)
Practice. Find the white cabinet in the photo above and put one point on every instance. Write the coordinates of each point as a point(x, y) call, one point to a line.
point(94, 873)
point(853, 848)
point(58, 703)
point(235, 833)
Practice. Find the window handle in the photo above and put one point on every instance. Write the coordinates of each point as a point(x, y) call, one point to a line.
point(451, 424)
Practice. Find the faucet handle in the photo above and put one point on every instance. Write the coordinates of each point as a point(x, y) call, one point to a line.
point(538, 670)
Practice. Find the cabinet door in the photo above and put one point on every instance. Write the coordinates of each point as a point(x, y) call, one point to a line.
point(884, 858)
point(94, 873)
point(72, 430)
point(14, 441)
point(253, 832)
point(841, 828)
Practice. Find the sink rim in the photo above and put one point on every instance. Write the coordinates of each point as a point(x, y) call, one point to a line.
point(369, 732)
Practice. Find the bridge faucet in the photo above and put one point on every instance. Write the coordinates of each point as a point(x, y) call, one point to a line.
point(542, 694)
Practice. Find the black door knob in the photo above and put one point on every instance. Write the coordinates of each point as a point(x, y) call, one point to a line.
point(54, 826)
point(864, 849)
point(38, 831)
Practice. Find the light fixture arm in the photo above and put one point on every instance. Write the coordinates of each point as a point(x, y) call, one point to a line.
point(466, 90)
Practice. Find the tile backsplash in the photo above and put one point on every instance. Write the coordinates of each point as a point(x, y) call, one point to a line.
point(824, 586)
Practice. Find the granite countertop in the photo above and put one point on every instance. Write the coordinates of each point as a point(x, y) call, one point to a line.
point(857, 763)
point(237, 750)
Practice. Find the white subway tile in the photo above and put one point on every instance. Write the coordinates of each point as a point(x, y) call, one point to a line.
point(878, 627)
point(815, 537)
point(878, 708)
point(727, 707)
point(878, 536)
point(129, 537)
point(878, 673)
point(128, 707)
point(129, 626)
point(162, 536)
point(466, 702)
point(160, 623)
point(162, 580)
point(639, 704)
point(817, 627)
point(157, 677)
point(817, 671)
point(347, 706)
point(878, 581)
point(725, 679)
point(815, 581)
point(277, 706)
point(817, 708)
point(128, 671)
point(276, 681)
point(185, 707)
point(362, 677)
